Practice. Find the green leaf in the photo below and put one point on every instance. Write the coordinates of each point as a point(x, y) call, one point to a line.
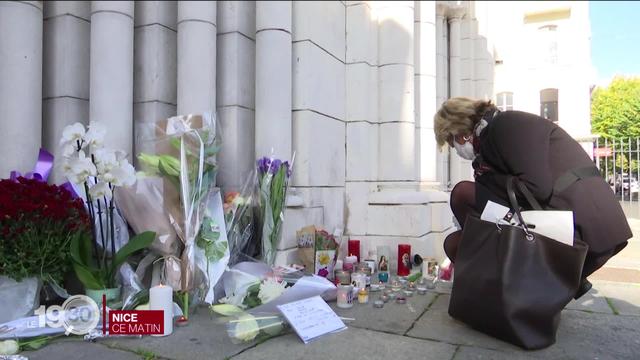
point(87, 278)
point(34, 344)
point(150, 161)
point(80, 248)
point(169, 166)
point(138, 242)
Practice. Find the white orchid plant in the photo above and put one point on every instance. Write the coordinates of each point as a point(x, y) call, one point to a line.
point(100, 170)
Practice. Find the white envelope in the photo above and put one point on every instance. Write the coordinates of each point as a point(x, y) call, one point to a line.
point(554, 224)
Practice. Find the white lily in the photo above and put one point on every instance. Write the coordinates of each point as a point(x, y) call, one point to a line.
point(72, 133)
point(95, 135)
point(100, 190)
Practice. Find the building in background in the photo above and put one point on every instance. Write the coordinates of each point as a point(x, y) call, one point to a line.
point(350, 87)
point(543, 62)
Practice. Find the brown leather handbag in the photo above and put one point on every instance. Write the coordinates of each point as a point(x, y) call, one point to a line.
point(511, 283)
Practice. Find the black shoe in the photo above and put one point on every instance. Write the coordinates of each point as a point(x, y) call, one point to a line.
point(585, 286)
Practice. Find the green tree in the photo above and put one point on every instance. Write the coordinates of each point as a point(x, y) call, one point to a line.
point(615, 110)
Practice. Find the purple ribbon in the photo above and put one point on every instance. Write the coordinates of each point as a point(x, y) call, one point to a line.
point(42, 169)
point(41, 172)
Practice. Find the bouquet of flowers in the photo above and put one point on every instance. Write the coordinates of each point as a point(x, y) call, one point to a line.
point(176, 197)
point(254, 290)
point(243, 223)
point(273, 180)
point(249, 285)
point(37, 223)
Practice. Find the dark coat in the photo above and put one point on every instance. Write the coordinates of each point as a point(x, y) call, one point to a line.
point(538, 152)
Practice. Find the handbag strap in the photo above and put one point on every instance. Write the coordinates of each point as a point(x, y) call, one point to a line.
point(524, 190)
point(513, 200)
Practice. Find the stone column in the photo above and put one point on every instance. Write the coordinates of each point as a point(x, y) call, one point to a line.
point(425, 89)
point(467, 55)
point(155, 65)
point(20, 84)
point(196, 56)
point(455, 16)
point(460, 168)
point(236, 90)
point(442, 84)
point(111, 78)
point(65, 88)
point(396, 91)
point(273, 78)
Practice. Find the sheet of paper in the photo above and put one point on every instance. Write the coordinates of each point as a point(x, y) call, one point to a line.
point(494, 212)
point(554, 224)
point(311, 318)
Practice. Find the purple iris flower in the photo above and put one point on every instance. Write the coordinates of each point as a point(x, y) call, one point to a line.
point(263, 165)
point(275, 166)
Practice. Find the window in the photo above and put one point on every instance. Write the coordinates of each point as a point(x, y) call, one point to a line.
point(504, 101)
point(549, 104)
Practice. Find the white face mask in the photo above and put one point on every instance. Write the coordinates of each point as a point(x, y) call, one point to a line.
point(465, 151)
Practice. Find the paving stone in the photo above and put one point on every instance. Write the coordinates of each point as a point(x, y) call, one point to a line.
point(436, 324)
point(79, 350)
point(203, 338)
point(625, 298)
point(580, 335)
point(593, 301)
point(393, 318)
point(351, 343)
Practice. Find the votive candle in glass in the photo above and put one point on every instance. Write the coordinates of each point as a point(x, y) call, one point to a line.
point(345, 296)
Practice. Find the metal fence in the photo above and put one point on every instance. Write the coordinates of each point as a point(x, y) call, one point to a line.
point(619, 162)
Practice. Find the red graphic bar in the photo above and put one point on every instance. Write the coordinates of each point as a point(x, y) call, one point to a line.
point(136, 322)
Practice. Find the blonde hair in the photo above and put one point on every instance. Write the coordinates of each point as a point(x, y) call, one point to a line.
point(458, 115)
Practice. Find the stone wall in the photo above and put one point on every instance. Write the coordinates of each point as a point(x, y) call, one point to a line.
point(349, 87)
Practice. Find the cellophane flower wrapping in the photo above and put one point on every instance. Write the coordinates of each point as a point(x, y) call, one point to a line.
point(176, 197)
point(245, 327)
point(273, 180)
point(243, 221)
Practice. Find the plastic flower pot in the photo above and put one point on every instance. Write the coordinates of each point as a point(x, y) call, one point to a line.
point(113, 294)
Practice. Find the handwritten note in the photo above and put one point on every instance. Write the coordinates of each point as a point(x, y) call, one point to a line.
point(311, 318)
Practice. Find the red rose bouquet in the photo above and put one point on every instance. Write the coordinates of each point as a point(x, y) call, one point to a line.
point(37, 223)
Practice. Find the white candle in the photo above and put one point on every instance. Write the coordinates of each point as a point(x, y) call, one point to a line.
point(161, 298)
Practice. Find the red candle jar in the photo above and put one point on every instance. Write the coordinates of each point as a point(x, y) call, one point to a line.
point(404, 259)
point(354, 249)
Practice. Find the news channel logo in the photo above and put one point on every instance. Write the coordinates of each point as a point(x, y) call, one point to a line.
point(78, 315)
